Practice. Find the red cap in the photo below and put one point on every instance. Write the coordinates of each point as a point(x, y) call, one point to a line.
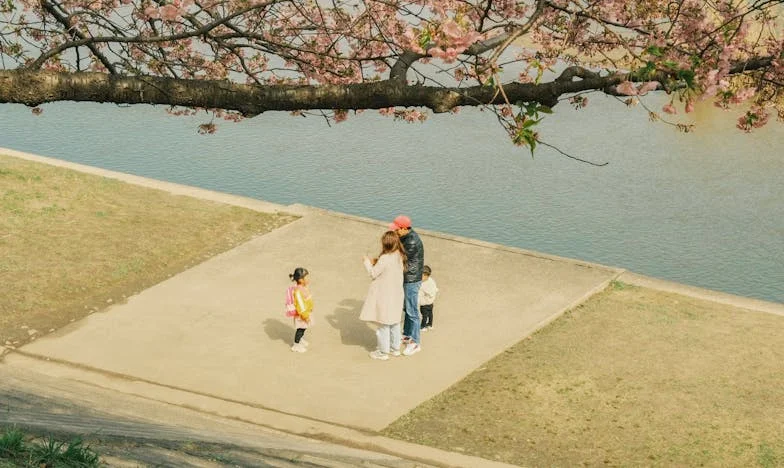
point(401, 222)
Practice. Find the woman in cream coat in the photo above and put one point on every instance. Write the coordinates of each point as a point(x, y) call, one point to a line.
point(384, 302)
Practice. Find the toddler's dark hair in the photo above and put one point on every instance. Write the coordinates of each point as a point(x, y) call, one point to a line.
point(426, 270)
point(298, 274)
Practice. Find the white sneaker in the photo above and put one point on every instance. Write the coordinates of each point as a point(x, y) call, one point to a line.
point(298, 348)
point(378, 355)
point(304, 342)
point(412, 348)
point(395, 352)
point(423, 329)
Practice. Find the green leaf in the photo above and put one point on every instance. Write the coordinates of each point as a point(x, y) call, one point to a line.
point(647, 71)
point(687, 76)
point(544, 110)
point(531, 140)
point(656, 51)
point(424, 39)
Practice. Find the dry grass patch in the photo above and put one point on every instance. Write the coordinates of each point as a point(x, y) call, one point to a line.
point(73, 243)
point(634, 377)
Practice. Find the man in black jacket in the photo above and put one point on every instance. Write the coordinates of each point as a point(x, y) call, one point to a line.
point(412, 280)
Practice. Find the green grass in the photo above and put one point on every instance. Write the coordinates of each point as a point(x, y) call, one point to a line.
point(52, 452)
point(11, 443)
point(633, 377)
point(767, 456)
point(18, 449)
point(73, 243)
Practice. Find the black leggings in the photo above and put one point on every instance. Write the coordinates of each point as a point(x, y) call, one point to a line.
point(299, 334)
point(427, 315)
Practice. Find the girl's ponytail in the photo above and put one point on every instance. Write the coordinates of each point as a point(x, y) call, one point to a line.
point(298, 274)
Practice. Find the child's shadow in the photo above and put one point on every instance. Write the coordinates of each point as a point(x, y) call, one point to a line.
point(278, 330)
point(353, 331)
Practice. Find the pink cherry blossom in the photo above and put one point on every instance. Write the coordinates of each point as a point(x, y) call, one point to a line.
point(451, 29)
point(169, 12)
point(756, 117)
point(450, 55)
point(340, 115)
point(151, 12)
point(647, 86)
point(627, 88)
point(436, 52)
point(744, 94)
point(263, 43)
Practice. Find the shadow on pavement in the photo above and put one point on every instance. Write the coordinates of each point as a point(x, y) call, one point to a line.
point(278, 330)
point(353, 331)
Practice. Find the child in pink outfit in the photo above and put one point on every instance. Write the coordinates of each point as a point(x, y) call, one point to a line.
point(299, 306)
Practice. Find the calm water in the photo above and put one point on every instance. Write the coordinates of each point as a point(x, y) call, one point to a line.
point(705, 209)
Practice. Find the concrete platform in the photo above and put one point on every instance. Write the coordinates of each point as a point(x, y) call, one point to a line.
point(219, 329)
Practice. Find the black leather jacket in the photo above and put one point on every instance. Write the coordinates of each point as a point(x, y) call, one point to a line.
point(416, 257)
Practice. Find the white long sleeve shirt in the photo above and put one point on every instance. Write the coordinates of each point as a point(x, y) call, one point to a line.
point(428, 292)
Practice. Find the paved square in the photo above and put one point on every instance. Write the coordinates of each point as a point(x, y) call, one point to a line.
point(219, 328)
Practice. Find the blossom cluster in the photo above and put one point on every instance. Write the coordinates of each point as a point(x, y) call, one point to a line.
point(695, 51)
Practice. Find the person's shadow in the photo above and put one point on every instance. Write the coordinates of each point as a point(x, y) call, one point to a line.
point(353, 331)
point(278, 330)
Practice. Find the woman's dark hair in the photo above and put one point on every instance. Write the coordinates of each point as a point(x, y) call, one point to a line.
point(298, 274)
point(426, 270)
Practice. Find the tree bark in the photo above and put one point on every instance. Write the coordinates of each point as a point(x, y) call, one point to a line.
point(34, 87)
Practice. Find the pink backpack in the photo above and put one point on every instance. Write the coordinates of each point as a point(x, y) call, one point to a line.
point(291, 309)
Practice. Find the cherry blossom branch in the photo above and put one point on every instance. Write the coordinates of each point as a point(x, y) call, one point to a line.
point(147, 40)
point(65, 21)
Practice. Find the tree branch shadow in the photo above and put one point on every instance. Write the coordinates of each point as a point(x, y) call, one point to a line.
point(353, 331)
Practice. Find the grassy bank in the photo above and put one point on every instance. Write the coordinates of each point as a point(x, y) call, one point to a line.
point(73, 243)
point(18, 449)
point(633, 377)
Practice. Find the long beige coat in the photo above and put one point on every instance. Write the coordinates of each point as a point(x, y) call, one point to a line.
point(384, 301)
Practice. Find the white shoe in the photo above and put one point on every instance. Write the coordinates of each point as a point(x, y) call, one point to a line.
point(304, 342)
point(298, 348)
point(378, 355)
point(423, 329)
point(412, 348)
point(395, 352)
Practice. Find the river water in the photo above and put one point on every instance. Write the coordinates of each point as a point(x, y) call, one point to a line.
point(705, 208)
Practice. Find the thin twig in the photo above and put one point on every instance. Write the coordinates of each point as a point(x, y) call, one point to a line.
point(570, 156)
